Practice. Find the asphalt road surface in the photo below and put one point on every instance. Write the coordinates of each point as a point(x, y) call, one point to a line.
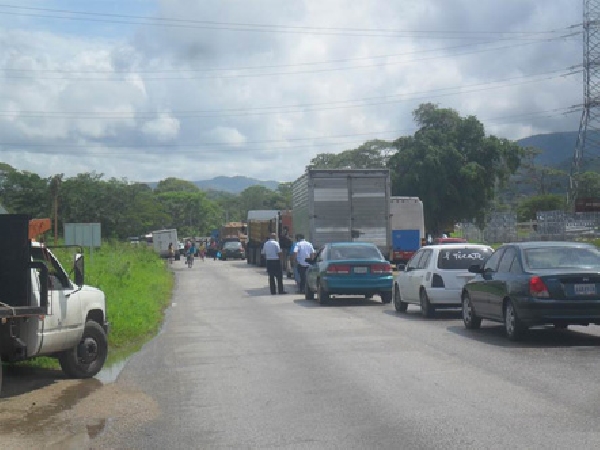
point(236, 367)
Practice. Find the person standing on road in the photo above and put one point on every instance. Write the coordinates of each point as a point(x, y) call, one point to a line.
point(274, 257)
point(303, 251)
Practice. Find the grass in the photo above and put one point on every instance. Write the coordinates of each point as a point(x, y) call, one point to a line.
point(138, 287)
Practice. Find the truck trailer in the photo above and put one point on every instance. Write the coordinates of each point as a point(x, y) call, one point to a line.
point(343, 205)
point(407, 225)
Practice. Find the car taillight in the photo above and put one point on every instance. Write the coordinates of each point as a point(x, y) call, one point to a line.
point(437, 281)
point(537, 288)
point(381, 268)
point(338, 268)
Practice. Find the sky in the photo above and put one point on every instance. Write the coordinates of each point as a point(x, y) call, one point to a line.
point(144, 90)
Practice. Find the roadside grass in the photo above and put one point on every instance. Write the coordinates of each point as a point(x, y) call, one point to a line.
point(138, 287)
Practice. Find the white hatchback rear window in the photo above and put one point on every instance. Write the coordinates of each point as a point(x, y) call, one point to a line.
point(462, 258)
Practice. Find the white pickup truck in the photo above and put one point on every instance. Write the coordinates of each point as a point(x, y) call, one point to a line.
point(42, 311)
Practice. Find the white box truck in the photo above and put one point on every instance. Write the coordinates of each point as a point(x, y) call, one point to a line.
point(407, 226)
point(161, 240)
point(343, 205)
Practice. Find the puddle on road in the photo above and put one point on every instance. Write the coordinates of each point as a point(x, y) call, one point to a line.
point(109, 374)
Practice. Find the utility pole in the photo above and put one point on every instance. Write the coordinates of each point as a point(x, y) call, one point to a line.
point(588, 143)
point(54, 192)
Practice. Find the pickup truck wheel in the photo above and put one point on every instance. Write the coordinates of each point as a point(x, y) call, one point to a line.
point(87, 358)
point(399, 305)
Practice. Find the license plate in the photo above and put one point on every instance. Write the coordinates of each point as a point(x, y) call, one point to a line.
point(360, 270)
point(585, 289)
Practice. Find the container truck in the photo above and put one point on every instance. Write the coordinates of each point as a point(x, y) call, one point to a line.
point(42, 311)
point(407, 225)
point(161, 240)
point(260, 225)
point(343, 206)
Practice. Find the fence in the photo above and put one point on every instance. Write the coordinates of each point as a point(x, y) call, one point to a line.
point(548, 226)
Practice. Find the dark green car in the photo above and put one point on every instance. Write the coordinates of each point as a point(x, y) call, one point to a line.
point(535, 283)
point(232, 250)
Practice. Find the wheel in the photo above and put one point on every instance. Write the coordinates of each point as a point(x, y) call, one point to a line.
point(87, 358)
point(399, 305)
point(308, 293)
point(427, 310)
point(513, 326)
point(386, 297)
point(470, 319)
point(323, 295)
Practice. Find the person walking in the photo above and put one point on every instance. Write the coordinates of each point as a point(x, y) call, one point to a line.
point(274, 257)
point(303, 251)
point(294, 264)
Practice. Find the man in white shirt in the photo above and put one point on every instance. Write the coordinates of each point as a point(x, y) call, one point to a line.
point(274, 257)
point(303, 251)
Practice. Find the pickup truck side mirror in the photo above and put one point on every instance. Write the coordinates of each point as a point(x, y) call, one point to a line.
point(78, 269)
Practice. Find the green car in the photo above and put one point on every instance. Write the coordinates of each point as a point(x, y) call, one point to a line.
point(232, 250)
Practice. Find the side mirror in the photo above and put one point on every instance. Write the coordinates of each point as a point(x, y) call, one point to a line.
point(475, 268)
point(400, 267)
point(78, 269)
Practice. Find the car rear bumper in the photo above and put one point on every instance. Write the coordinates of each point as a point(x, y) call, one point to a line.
point(542, 311)
point(444, 296)
point(338, 285)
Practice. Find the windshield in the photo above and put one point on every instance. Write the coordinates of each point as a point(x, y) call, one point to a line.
point(232, 245)
point(561, 257)
point(462, 258)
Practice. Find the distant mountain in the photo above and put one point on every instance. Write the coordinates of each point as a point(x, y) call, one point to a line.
point(235, 185)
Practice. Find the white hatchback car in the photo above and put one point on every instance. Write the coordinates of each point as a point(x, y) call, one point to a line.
point(435, 275)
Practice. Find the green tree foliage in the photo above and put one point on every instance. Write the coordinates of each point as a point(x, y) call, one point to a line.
point(24, 193)
point(367, 156)
point(588, 185)
point(176, 185)
point(528, 208)
point(452, 166)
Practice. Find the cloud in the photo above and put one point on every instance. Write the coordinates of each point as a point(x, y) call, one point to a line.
point(247, 85)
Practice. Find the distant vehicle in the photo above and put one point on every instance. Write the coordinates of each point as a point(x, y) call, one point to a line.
point(535, 283)
point(449, 240)
point(232, 250)
point(407, 226)
point(435, 275)
point(349, 268)
point(161, 240)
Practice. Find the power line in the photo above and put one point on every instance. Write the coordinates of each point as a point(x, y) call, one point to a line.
point(532, 115)
point(296, 108)
point(261, 75)
point(234, 26)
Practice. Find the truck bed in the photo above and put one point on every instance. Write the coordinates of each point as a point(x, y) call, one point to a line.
point(21, 311)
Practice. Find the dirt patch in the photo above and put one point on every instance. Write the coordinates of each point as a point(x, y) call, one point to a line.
point(68, 414)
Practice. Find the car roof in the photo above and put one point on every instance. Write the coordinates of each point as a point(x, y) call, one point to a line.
point(538, 244)
point(351, 244)
point(456, 246)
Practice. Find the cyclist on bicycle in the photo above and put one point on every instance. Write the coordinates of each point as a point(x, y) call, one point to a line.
point(191, 252)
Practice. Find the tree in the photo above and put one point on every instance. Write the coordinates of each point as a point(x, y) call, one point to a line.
point(367, 156)
point(175, 185)
point(451, 166)
point(528, 208)
point(25, 193)
point(588, 185)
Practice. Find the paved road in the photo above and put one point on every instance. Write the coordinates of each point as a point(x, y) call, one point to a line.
point(235, 367)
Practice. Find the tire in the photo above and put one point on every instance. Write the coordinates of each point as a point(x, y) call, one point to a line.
point(386, 297)
point(87, 358)
point(308, 293)
point(323, 295)
point(427, 310)
point(399, 305)
point(470, 319)
point(514, 328)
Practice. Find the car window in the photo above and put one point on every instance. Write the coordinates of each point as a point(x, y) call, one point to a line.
point(516, 267)
point(56, 275)
point(462, 258)
point(354, 252)
point(559, 257)
point(492, 263)
point(507, 260)
point(232, 245)
point(424, 261)
point(414, 261)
